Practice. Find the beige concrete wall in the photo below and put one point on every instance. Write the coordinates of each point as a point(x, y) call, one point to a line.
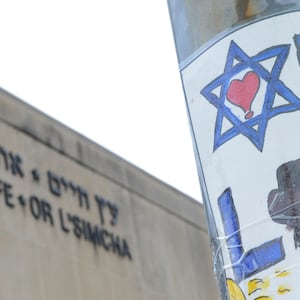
point(142, 240)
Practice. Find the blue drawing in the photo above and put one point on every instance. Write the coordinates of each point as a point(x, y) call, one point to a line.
point(246, 264)
point(242, 94)
point(297, 45)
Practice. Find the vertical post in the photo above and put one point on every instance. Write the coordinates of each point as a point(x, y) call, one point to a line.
point(240, 67)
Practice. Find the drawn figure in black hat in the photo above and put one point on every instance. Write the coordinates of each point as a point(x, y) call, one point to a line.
point(284, 202)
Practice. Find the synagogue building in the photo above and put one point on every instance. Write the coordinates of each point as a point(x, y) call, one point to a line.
point(78, 222)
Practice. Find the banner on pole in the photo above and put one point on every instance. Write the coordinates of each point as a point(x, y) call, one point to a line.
point(243, 99)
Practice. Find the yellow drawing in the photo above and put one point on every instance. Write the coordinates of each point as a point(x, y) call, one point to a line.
point(282, 273)
point(257, 284)
point(235, 293)
point(283, 290)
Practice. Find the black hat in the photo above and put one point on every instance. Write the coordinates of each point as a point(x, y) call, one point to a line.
point(284, 202)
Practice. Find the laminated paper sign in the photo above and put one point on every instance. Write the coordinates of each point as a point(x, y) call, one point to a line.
point(243, 98)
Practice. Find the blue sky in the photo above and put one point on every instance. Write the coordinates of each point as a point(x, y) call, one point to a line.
point(109, 71)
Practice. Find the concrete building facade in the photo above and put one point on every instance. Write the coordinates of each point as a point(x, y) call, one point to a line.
point(78, 222)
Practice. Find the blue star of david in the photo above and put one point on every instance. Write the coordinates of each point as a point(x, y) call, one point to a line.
point(274, 86)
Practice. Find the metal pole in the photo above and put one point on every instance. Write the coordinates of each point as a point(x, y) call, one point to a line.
point(197, 22)
point(240, 67)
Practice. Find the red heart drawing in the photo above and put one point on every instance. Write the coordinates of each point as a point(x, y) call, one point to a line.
point(242, 92)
